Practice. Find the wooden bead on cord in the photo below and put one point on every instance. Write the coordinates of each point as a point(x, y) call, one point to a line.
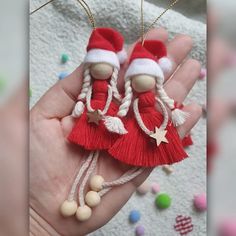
point(92, 198)
point(83, 213)
point(68, 208)
point(96, 182)
point(101, 71)
point(143, 83)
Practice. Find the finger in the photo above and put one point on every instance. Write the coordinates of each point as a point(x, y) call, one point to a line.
point(158, 34)
point(183, 80)
point(178, 49)
point(59, 100)
point(218, 55)
point(67, 123)
point(195, 113)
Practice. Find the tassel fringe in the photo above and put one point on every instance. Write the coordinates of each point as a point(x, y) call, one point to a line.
point(114, 125)
point(179, 117)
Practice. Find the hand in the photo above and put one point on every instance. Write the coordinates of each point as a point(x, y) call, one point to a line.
point(54, 162)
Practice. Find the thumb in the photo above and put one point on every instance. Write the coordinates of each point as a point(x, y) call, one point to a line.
point(67, 124)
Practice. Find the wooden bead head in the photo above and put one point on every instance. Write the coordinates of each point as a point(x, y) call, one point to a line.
point(101, 71)
point(143, 83)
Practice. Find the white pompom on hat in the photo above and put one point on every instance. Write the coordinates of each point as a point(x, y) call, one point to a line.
point(106, 45)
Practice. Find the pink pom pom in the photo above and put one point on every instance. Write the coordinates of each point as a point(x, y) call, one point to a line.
point(228, 228)
point(122, 56)
point(231, 59)
point(200, 202)
point(203, 74)
point(155, 188)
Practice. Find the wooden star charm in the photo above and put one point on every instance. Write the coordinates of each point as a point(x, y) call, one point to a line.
point(159, 136)
point(94, 117)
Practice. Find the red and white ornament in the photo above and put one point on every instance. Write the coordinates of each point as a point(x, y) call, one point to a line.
point(152, 139)
point(96, 104)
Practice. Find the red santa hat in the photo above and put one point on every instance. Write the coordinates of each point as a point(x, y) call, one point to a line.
point(149, 58)
point(106, 45)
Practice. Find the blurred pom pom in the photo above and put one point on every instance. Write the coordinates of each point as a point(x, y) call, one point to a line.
point(165, 64)
point(122, 56)
point(200, 202)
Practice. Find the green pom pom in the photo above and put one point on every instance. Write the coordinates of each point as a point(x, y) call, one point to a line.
point(64, 58)
point(2, 84)
point(163, 201)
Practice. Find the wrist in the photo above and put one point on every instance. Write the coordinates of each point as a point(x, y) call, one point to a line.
point(40, 227)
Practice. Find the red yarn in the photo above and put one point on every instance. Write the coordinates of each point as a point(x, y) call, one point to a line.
point(137, 148)
point(107, 39)
point(152, 49)
point(90, 135)
point(187, 141)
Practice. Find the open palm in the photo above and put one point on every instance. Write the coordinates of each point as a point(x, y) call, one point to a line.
point(54, 162)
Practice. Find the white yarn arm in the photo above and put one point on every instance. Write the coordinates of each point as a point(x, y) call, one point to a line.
point(165, 114)
point(139, 118)
point(140, 121)
point(108, 102)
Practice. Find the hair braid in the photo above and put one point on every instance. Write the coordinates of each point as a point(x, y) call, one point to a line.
point(86, 84)
point(113, 84)
point(163, 95)
point(178, 116)
point(126, 101)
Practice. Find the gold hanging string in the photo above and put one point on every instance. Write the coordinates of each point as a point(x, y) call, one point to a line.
point(45, 4)
point(144, 36)
point(82, 3)
point(88, 12)
point(142, 22)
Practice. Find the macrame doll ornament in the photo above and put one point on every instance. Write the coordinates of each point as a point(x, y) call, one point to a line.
point(96, 100)
point(96, 105)
point(152, 138)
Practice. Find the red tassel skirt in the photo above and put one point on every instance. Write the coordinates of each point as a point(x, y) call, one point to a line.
point(90, 135)
point(138, 149)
